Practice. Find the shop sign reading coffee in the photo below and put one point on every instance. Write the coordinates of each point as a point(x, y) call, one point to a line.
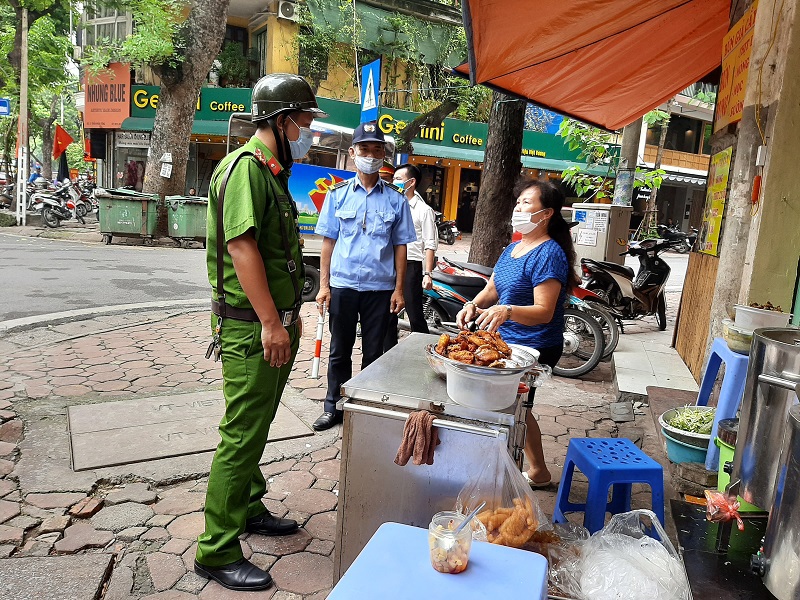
point(213, 104)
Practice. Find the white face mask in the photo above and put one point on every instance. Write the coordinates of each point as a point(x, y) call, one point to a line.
point(367, 164)
point(521, 221)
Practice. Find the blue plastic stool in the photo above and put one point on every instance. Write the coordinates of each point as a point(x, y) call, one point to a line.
point(607, 462)
point(730, 395)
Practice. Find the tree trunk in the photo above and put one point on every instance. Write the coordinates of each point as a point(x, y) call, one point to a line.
point(651, 216)
point(501, 169)
point(178, 95)
point(432, 118)
point(628, 157)
point(47, 138)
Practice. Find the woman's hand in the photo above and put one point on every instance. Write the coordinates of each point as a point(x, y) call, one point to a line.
point(466, 315)
point(491, 318)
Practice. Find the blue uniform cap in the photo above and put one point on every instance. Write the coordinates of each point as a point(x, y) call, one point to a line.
point(368, 132)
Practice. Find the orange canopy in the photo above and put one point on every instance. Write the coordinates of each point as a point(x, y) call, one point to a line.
point(605, 62)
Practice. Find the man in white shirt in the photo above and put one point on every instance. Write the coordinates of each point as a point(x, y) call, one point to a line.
point(420, 254)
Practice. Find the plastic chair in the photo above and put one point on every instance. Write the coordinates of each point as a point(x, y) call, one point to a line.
point(730, 395)
point(607, 462)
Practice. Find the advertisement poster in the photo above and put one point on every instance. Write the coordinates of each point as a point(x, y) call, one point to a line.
point(309, 184)
point(718, 172)
point(736, 47)
point(107, 100)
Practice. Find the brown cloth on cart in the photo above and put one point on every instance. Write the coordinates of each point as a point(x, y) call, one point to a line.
point(420, 438)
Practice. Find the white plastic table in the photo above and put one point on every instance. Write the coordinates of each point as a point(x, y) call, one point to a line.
point(396, 565)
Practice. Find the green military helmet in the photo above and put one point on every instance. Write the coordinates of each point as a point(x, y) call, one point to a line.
point(283, 92)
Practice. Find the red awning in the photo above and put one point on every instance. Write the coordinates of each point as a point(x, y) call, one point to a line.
point(605, 62)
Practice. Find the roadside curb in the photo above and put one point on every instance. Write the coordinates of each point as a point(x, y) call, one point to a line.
point(79, 314)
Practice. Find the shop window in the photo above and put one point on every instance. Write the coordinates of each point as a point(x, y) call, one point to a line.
point(236, 35)
point(261, 49)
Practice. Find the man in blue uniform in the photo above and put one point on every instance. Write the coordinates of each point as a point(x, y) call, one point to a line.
point(366, 224)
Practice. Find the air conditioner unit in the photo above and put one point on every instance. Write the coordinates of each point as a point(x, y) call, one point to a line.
point(287, 10)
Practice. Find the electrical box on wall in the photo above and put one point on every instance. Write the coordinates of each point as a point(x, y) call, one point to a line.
point(602, 231)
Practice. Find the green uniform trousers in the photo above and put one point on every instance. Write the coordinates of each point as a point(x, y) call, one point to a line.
point(252, 390)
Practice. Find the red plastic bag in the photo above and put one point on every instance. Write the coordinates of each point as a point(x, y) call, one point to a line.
point(719, 509)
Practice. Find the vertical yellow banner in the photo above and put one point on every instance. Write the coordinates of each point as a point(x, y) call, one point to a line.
point(736, 48)
point(718, 173)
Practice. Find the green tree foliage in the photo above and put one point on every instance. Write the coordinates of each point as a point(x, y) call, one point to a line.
point(597, 147)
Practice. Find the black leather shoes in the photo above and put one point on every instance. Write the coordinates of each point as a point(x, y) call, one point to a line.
point(268, 524)
point(326, 421)
point(242, 576)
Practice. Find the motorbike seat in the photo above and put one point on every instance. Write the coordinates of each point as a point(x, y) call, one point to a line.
point(475, 267)
point(460, 281)
point(609, 266)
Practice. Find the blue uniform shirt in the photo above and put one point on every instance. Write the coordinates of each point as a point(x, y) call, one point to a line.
point(515, 280)
point(366, 227)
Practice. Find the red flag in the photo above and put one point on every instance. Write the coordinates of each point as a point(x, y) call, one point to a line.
point(61, 140)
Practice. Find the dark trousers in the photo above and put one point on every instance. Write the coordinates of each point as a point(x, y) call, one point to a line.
point(547, 356)
point(346, 309)
point(412, 294)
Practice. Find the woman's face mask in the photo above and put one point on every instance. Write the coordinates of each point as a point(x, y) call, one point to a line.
point(302, 144)
point(521, 221)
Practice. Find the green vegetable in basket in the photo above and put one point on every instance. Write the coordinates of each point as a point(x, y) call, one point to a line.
point(693, 420)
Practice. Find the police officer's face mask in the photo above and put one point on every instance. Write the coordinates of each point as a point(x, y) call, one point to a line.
point(302, 144)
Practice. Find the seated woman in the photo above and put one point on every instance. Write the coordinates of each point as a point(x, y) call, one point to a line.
point(524, 299)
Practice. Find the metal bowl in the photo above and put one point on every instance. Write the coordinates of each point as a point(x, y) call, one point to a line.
point(435, 361)
point(698, 440)
point(521, 361)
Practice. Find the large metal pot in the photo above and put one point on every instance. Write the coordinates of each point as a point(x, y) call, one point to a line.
point(781, 559)
point(772, 375)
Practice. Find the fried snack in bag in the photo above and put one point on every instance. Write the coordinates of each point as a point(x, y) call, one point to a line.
point(720, 509)
point(512, 516)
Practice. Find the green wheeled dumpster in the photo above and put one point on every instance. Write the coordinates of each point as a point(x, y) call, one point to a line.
point(186, 217)
point(127, 213)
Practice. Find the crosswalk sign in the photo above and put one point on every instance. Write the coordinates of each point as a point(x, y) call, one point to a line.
point(370, 86)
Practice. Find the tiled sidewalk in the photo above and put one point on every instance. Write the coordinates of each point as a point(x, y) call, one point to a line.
point(148, 524)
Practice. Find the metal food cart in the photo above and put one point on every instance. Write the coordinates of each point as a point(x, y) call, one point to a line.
point(376, 404)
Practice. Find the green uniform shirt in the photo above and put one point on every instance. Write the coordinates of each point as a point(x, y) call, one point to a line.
point(254, 199)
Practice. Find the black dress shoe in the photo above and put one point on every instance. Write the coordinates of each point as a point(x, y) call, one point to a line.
point(242, 576)
point(326, 421)
point(268, 524)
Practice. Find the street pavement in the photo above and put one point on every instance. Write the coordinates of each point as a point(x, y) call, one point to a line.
point(128, 532)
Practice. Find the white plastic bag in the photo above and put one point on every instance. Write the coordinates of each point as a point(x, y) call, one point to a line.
point(621, 562)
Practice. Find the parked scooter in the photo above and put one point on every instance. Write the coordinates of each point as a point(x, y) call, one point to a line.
point(60, 205)
point(448, 232)
point(674, 234)
point(583, 337)
point(630, 296)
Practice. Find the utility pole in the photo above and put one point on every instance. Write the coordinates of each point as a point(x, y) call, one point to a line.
point(628, 157)
point(22, 137)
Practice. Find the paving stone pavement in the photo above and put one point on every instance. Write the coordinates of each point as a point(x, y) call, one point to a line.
point(146, 525)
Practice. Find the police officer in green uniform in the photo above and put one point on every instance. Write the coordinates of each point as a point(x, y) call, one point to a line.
point(256, 322)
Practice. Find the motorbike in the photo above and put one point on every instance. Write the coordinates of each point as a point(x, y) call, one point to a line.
point(674, 234)
point(60, 205)
point(448, 232)
point(625, 294)
point(583, 336)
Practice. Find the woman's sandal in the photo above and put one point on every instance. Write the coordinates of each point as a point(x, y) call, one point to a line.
point(536, 485)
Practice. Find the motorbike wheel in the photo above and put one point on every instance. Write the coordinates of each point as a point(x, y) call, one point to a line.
point(49, 217)
point(435, 316)
point(661, 312)
point(583, 336)
point(6, 200)
point(608, 324)
point(447, 236)
point(81, 210)
point(310, 284)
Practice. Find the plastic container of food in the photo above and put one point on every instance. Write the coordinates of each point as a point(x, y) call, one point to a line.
point(738, 338)
point(449, 554)
point(698, 440)
point(751, 319)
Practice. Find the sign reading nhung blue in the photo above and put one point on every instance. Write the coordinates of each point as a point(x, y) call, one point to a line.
point(370, 86)
point(5, 107)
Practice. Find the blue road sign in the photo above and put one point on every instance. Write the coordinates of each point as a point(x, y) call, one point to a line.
point(5, 107)
point(370, 86)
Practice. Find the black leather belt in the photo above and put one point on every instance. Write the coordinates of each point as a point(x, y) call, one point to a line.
point(288, 317)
